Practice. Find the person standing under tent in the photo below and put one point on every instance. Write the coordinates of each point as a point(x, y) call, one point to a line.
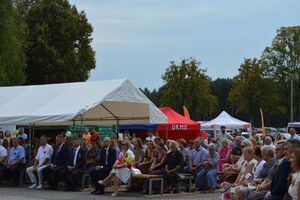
point(95, 135)
point(87, 136)
point(22, 134)
point(223, 135)
point(150, 135)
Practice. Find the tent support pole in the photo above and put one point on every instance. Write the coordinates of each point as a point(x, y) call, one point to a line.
point(81, 130)
point(118, 120)
point(109, 111)
point(215, 135)
point(29, 143)
point(118, 127)
point(33, 130)
point(166, 133)
point(73, 128)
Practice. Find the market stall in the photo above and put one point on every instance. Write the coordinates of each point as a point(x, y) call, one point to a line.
point(178, 126)
point(224, 119)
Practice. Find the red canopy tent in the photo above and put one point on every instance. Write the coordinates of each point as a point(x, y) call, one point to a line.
point(178, 126)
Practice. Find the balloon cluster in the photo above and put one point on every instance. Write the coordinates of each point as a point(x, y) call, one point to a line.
point(17, 131)
point(68, 133)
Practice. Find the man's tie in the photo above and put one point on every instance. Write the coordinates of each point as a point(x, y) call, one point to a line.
point(74, 151)
point(105, 155)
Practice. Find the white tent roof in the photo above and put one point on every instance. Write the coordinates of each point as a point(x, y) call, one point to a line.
point(98, 102)
point(224, 119)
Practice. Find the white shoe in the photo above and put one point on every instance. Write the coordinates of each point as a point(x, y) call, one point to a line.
point(113, 194)
point(33, 186)
point(40, 186)
point(101, 182)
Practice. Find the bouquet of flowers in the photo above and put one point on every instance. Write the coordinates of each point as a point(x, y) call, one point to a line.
point(130, 162)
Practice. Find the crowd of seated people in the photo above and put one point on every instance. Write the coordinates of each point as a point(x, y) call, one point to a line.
point(251, 168)
point(268, 172)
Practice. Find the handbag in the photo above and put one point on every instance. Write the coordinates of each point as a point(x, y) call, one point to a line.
point(135, 171)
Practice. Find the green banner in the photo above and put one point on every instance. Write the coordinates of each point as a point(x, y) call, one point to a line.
point(103, 131)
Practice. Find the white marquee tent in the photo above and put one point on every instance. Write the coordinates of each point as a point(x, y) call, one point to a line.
point(90, 103)
point(224, 119)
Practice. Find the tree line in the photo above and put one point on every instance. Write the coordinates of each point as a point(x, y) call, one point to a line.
point(263, 82)
point(44, 41)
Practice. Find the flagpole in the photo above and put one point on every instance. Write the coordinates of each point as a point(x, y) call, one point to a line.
point(262, 122)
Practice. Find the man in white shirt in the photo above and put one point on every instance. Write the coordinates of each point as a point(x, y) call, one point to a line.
point(42, 160)
point(294, 134)
point(150, 135)
point(3, 159)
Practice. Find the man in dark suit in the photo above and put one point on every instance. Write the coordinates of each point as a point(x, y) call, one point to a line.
point(280, 177)
point(76, 166)
point(104, 166)
point(59, 162)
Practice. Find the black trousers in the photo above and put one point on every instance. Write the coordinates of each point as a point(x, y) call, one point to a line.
point(57, 174)
point(14, 172)
point(72, 178)
point(2, 171)
point(99, 175)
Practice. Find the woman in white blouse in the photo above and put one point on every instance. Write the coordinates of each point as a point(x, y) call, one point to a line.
point(122, 168)
point(241, 183)
point(260, 161)
point(294, 189)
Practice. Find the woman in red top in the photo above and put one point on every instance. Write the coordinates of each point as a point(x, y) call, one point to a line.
point(225, 153)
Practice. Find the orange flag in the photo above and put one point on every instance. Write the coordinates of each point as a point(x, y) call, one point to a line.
point(262, 122)
point(186, 112)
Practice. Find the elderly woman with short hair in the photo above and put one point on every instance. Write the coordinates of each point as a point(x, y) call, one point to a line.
point(263, 182)
point(174, 165)
point(211, 161)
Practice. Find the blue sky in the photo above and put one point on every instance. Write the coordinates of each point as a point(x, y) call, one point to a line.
point(137, 39)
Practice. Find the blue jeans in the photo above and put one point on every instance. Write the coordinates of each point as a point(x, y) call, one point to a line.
point(211, 179)
point(199, 175)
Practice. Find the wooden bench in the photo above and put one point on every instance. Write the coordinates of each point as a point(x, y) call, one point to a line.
point(152, 178)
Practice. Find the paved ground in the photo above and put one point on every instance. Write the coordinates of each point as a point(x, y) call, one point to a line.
point(9, 193)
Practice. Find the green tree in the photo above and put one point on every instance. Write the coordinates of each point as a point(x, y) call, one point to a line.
point(58, 45)
point(221, 88)
point(187, 85)
point(284, 58)
point(12, 59)
point(253, 88)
